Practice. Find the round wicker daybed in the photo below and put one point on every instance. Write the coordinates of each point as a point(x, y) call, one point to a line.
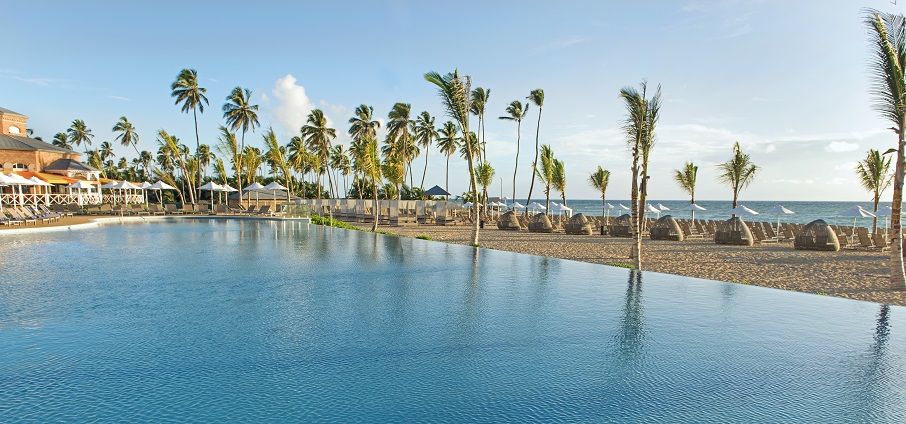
point(734, 231)
point(666, 228)
point(620, 227)
point(578, 224)
point(817, 235)
point(508, 221)
point(540, 224)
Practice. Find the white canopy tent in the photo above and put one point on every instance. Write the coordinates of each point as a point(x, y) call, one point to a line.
point(779, 210)
point(160, 185)
point(692, 207)
point(742, 210)
point(252, 187)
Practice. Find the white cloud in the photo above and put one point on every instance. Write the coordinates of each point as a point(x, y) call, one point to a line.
point(841, 146)
point(292, 104)
point(125, 99)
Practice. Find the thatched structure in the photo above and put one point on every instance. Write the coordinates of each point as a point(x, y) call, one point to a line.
point(734, 231)
point(621, 226)
point(817, 235)
point(578, 224)
point(666, 228)
point(508, 221)
point(540, 224)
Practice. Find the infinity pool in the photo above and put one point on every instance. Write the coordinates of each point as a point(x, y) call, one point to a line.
point(215, 321)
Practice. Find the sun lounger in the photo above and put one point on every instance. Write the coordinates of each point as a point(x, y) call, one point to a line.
point(155, 209)
point(138, 210)
point(187, 208)
point(864, 239)
point(880, 241)
point(265, 210)
point(171, 209)
point(15, 214)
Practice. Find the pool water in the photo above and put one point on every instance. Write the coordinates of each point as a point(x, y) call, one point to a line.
point(229, 320)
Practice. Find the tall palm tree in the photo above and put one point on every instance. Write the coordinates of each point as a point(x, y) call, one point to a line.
point(399, 138)
point(317, 136)
point(240, 114)
point(447, 142)
point(276, 154)
point(79, 133)
point(425, 134)
point(642, 115)
point(340, 163)
point(128, 135)
point(738, 172)
point(480, 98)
point(174, 150)
point(371, 166)
point(685, 178)
point(455, 95)
point(106, 151)
point(545, 172)
point(146, 160)
point(558, 178)
point(205, 156)
point(599, 181)
point(393, 170)
point(536, 97)
point(362, 129)
point(61, 140)
point(485, 177)
point(192, 97)
point(873, 172)
point(516, 112)
point(889, 91)
point(228, 147)
point(220, 170)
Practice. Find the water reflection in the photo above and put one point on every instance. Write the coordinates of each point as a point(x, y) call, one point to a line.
point(631, 334)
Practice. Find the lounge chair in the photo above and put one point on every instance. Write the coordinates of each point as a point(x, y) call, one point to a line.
point(221, 209)
point(171, 209)
point(155, 209)
point(265, 210)
point(249, 211)
point(187, 208)
point(74, 209)
point(880, 241)
point(864, 239)
point(15, 214)
point(138, 210)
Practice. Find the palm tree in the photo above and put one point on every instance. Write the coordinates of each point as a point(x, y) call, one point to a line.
point(228, 147)
point(536, 97)
point(516, 112)
point(146, 159)
point(873, 172)
point(276, 154)
point(394, 171)
point(399, 139)
point(79, 133)
point(205, 156)
point(220, 170)
point(480, 98)
point(455, 96)
point(240, 114)
point(447, 142)
point(545, 172)
point(171, 148)
point(889, 90)
point(599, 180)
point(362, 129)
point(485, 178)
point(106, 151)
point(192, 97)
point(642, 115)
point(128, 136)
point(371, 166)
point(340, 163)
point(738, 172)
point(61, 140)
point(685, 178)
point(317, 136)
point(558, 178)
point(425, 134)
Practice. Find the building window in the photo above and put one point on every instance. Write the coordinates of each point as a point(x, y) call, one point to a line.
point(13, 130)
point(20, 167)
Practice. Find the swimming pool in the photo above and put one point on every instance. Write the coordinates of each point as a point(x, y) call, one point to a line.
point(228, 320)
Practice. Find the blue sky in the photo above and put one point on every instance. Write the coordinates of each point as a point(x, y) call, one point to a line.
point(788, 80)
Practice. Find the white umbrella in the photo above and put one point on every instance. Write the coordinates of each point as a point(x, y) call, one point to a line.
point(160, 185)
point(252, 187)
point(556, 207)
point(274, 187)
point(886, 212)
point(517, 205)
point(652, 209)
point(535, 205)
point(470, 204)
point(856, 212)
point(211, 187)
point(779, 210)
point(79, 185)
point(8, 181)
point(125, 185)
point(226, 188)
point(742, 210)
point(662, 207)
point(623, 207)
point(145, 186)
point(692, 207)
point(19, 181)
point(108, 186)
point(42, 183)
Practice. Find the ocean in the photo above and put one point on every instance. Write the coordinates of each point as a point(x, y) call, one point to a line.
point(805, 212)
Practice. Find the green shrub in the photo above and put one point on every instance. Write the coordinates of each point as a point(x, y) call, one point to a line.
point(424, 237)
point(320, 220)
point(622, 265)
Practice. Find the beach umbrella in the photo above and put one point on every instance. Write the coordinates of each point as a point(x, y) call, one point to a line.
point(558, 208)
point(662, 207)
point(886, 212)
point(79, 185)
point(274, 187)
point(42, 183)
point(470, 204)
point(623, 207)
point(124, 185)
point(779, 210)
point(144, 186)
point(535, 205)
point(7, 182)
point(742, 210)
point(18, 180)
point(160, 185)
point(692, 207)
point(517, 205)
point(252, 187)
point(211, 187)
point(436, 191)
point(226, 188)
point(855, 213)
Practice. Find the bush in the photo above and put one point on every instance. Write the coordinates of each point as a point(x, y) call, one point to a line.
point(320, 220)
point(423, 237)
point(622, 265)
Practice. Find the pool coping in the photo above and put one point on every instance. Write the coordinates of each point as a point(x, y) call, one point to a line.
point(97, 222)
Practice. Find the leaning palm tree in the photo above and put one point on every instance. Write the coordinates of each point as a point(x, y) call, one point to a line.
point(128, 136)
point(192, 97)
point(886, 33)
point(599, 180)
point(873, 172)
point(240, 114)
point(642, 115)
point(425, 134)
point(276, 155)
point(516, 112)
point(545, 172)
point(79, 133)
point(558, 178)
point(480, 98)
point(446, 142)
point(685, 178)
point(61, 140)
point(172, 148)
point(536, 97)
point(228, 147)
point(455, 95)
point(317, 135)
point(738, 172)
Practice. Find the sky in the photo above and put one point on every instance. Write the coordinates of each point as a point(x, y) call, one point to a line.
point(788, 80)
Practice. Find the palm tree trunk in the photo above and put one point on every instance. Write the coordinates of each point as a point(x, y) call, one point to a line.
point(197, 148)
point(375, 211)
point(897, 273)
point(636, 252)
point(427, 151)
point(239, 166)
point(447, 183)
point(535, 163)
point(516, 168)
